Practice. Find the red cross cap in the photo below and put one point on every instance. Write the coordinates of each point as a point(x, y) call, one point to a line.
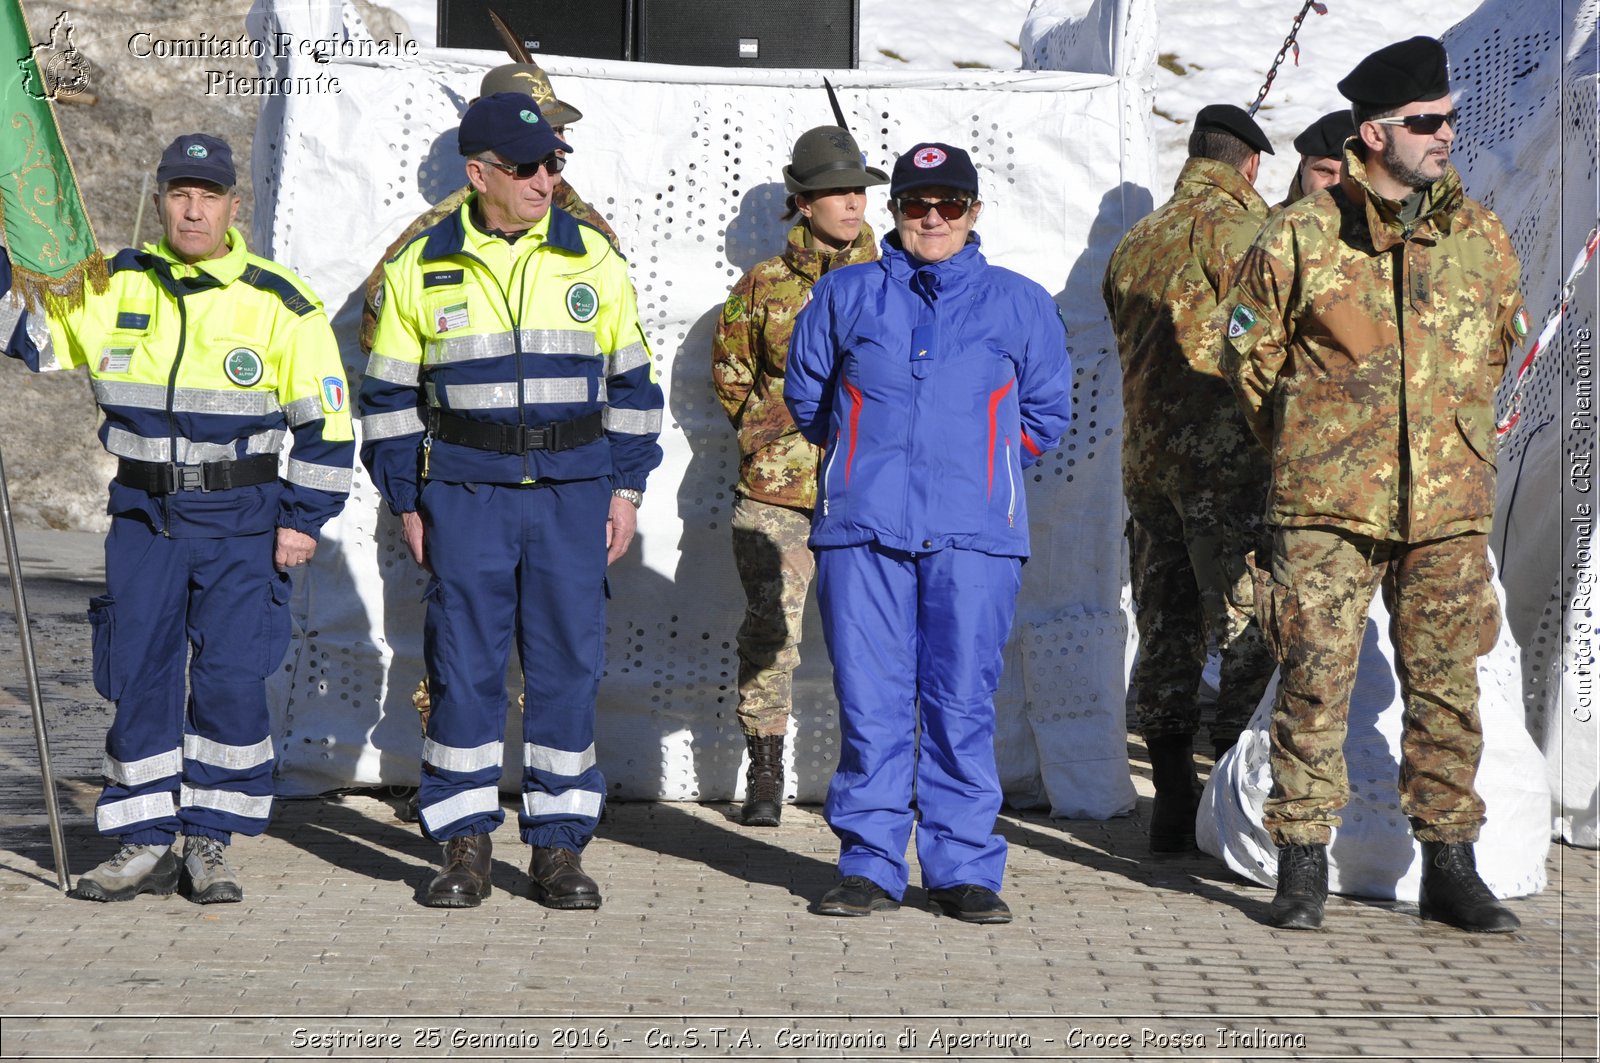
point(928, 158)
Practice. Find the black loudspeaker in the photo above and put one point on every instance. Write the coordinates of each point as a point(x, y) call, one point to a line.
point(793, 33)
point(593, 29)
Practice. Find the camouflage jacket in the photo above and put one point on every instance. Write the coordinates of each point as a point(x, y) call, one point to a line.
point(749, 354)
point(565, 198)
point(1366, 353)
point(1162, 287)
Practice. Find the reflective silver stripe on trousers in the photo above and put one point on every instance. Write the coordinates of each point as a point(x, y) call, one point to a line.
point(132, 773)
point(321, 477)
point(124, 444)
point(114, 817)
point(557, 761)
point(629, 358)
point(184, 400)
point(441, 814)
point(268, 442)
point(391, 425)
point(500, 344)
point(631, 422)
point(463, 759)
point(234, 758)
point(394, 370)
point(304, 411)
point(242, 805)
point(572, 803)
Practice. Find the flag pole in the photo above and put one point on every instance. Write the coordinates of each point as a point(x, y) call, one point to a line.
point(30, 667)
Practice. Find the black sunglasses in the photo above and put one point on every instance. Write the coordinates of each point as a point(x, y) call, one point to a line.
point(1424, 124)
point(949, 209)
point(551, 164)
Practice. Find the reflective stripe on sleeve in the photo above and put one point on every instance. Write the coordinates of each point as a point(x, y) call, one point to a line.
point(322, 477)
point(572, 803)
point(463, 759)
point(244, 806)
point(38, 330)
point(234, 758)
point(114, 817)
point(475, 802)
point(131, 773)
point(10, 313)
point(394, 370)
point(304, 411)
point(631, 422)
point(557, 761)
point(391, 425)
point(629, 358)
point(268, 442)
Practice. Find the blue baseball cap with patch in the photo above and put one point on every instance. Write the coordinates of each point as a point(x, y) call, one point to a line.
point(510, 125)
point(930, 164)
point(200, 157)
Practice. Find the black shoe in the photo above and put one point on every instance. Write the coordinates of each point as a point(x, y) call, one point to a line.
point(1302, 887)
point(763, 786)
point(1453, 893)
point(855, 895)
point(559, 881)
point(464, 882)
point(971, 904)
point(1177, 794)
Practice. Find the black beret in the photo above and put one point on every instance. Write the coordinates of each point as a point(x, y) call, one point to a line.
point(1235, 120)
point(1400, 74)
point(1326, 136)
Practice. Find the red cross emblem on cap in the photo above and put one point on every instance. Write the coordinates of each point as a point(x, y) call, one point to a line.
point(928, 158)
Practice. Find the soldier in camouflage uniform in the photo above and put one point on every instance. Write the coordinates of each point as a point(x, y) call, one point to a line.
point(526, 78)
point(1366, 335)
point(1321, 148)
point(1194, 477)
point(777, 490)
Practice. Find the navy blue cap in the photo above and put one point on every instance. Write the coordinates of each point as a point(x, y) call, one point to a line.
point(927, 165)
point(200, 157)
point(510, 125)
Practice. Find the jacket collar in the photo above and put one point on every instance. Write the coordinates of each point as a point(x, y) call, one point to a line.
point(1200, 176)
point(811, 262)
point(1441, 200)
point(449, 236)
point(225, 270)
point(943, 277)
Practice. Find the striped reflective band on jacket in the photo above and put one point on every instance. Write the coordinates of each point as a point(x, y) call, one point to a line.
point(503, 344)
point(626, 360)
point(572, 389)
point(238, 403)
point(321, 477)
point(391, 425)
point(122, 443)
point(631, 422)
point(394, 370)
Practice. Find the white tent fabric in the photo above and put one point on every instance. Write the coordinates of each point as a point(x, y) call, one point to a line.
point(685, 163)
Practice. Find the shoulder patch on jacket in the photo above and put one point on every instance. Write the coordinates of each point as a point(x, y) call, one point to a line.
point(733, 309)
point(281, 286)
point(1241, 321)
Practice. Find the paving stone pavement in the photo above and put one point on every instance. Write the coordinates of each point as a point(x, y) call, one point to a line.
point(704, 948)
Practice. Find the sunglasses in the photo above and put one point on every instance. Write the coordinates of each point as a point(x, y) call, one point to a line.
point(949, 209)
point(1424, 124)
point(551, 164)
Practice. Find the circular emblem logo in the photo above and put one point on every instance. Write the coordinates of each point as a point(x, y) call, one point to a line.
point(197, 151)
point(243, 366)
point(531, 117)
point(582, 302)
point(928, 158)
point(377, 298)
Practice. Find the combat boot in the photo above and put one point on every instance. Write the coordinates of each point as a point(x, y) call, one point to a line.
point(559, 880)
point(1177, 793)
point(763, 782)
point(1302, 887)
point(205, 865)
point(465, 879)
point(1453, 893)
point(135, 869)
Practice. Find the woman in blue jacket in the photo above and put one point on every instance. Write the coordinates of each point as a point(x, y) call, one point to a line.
point(932, 379)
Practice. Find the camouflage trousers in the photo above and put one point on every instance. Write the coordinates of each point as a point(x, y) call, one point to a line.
point(775, 565)
point(1191, 550)
point(1443, 615)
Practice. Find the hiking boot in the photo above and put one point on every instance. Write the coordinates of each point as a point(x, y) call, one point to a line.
point(135, 869)
point(559, 880)
point(855, 895)
point(464, 881)
point(1302, 887)
point(763, 786)
point(1453, 893)
point(205, 866)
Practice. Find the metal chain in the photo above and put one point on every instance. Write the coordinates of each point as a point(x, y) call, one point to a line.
point(1288, 43)
point(1569, 288)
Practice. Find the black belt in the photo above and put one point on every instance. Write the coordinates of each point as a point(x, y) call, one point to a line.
point(515, 438)
point(167, 478)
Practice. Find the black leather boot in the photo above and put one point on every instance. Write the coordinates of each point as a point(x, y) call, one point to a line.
point(464, 882)
point(1453, 893)
point(1302, 887)
point(763, 782)
point(1177, 793)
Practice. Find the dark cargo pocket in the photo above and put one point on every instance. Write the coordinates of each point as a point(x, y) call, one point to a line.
point(1275, 607)
point(275, 624)
point(108, 677)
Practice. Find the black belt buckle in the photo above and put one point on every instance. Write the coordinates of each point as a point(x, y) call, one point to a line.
point(189, 478)
point(537, 437)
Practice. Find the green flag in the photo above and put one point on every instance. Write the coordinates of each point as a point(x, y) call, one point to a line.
point(47, 230)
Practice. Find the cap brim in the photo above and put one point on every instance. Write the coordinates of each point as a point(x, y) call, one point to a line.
point(865, 177)
point(561, 113)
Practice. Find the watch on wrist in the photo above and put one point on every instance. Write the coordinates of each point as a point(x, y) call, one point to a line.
point(628, 494)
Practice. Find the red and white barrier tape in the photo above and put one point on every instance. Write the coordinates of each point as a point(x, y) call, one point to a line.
point(1579, 263)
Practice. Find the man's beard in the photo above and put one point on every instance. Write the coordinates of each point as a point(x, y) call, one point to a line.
point(1400, 170)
